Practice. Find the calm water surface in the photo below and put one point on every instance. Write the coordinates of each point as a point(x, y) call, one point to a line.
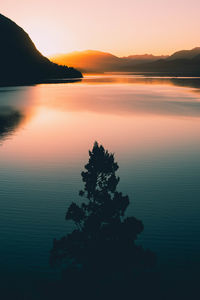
point(153, 127)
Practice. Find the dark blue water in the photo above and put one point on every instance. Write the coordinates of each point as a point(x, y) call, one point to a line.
point(152, 126)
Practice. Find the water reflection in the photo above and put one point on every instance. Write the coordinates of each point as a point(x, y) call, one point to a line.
point(119, 95)
point(16, 108)
point(187, 82)
point(103, 111)
point(10, 120)
point(144, 98)
point(130, 78)
point(154, 129)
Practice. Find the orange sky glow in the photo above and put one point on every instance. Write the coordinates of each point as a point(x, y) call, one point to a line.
point(119, 27)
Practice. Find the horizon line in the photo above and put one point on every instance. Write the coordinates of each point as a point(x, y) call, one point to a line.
point(121, 56)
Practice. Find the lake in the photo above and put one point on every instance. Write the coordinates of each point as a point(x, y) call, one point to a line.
point(152, 125)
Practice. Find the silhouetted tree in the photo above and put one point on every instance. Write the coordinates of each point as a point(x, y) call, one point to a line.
point(101, 250)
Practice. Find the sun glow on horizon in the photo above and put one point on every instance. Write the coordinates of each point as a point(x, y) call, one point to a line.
point(158, 27)
point(50, 42)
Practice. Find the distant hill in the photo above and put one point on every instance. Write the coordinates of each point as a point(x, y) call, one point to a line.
point(182, 63)
point(90, 61)
point(97, 61)
point(145, 58)
point(185, 54)
point(177, 67)
point(21, 62)
point(186, 62)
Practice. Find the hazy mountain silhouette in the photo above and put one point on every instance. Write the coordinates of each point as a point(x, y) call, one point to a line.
point(90, 61)
point(186, 62)
point(97, 61)
point(145, 58)
point(185, 54)
point(176, 67)
point(21, 62)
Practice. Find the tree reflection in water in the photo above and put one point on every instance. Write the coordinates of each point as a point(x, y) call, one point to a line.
point(10, 119)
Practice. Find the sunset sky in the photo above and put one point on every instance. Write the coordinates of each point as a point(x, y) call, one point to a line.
point(120, 27)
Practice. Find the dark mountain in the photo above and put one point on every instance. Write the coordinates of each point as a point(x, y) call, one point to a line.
point(21, 62)
point(181, 63)
point(185, 54)
point(176, 67)
point(196, 58)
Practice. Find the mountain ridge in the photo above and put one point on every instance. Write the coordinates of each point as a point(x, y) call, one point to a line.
point(20, 60)
point(184, 61)
point(185, 54)
point(87, 59)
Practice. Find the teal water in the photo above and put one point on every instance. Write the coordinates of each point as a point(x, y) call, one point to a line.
point(153, 127)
